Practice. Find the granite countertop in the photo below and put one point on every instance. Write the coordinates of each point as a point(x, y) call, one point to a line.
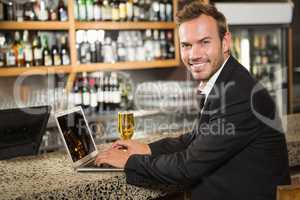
point(51, 176)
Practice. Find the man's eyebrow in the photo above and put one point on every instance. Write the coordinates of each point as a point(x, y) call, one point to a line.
point(200, 40)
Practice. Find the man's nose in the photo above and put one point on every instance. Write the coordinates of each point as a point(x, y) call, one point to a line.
point(196, 52)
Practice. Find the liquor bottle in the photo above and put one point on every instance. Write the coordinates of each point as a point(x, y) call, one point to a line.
point(97, 10)
point(2, 50)
point(142, 10)
point(29, 13)
point(85, 93)
point(18, 50)
point(44, 14)
point(64, 52)
point(273, 49)
point(37, 51)
point(107, 11)
point(10, 56)
point(10, 11)
point(62, 11)
point(121, 50)
point(76, 93)
point(106, 93)
point(169, 10)
point(108, 49)
point(170, 45)
point(76, 9)
point(92, 37)
point(157, 49)
point(100, 91)
point(116, 94)
point(93, 94)
point(1, 11)
point(89, 10)
point(47, 59)
point(122, 10)
point(56, 59)
point(85, 50)
point(263, 50)
point(82, 10)
point(154, 14)
point(98, 43)
point(115, 12)
point(147, 10)
point(28, 54)
point(149, 45)
point(129, 9)
point(53, 12)
point(136, 10)
point(163, 45)
point(162, 11)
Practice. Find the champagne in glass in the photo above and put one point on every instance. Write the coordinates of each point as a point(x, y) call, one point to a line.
point(125, 125)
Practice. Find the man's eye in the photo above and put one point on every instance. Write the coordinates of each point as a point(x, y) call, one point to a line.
point(185, 45)
point(206, 42)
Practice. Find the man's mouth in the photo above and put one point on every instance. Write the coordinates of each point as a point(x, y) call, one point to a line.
point(197, 66)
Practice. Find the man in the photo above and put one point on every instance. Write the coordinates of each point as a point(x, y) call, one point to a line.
point(231, 153)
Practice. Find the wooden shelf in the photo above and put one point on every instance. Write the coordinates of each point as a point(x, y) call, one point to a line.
point(34, 25)
point(126, 65)
point(24, 71)
point(124, 25)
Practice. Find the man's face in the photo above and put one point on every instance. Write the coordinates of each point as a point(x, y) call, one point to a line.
point(202, 51)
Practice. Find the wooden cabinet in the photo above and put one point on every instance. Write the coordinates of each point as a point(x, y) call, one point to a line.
point(71, 26)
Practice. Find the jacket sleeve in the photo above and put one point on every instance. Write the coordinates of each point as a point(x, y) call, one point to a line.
point(171, 145)
point(211, 147)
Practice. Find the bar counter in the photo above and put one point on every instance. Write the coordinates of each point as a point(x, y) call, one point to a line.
point(51, 176)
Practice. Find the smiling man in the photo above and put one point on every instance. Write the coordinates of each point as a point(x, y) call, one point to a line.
point(245, 160)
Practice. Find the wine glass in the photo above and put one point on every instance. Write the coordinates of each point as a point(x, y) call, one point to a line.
point(125, 125)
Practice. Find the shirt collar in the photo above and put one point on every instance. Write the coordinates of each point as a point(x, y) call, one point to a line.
point(211, 82)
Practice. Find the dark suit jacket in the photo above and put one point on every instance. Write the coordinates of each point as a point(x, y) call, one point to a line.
point(230, 154)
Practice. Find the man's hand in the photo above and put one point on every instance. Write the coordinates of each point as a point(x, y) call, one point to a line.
point(120, 151)
point(114, 157)
point(132, 146)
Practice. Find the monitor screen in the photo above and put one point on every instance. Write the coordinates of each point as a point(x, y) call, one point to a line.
point(76, 134)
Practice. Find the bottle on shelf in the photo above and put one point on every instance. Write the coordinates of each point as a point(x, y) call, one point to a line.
point(169, 10)
point(64, 52)
point(18, 50)
point(76, 10)
point(29, 14)
point(170, 45)
point(123, 10)
point(154, 11)
point(97, 10)
point(37, 51)
point(43, 11)
point(55, 54)
point(93, 94)
point(136, 10)
point(47, 58)
point(28, 54)
point(129, 9)
point(2, 50)
point(10, 57)
point(62, 11)
point(82, 14)
point(10, 11)
point(89, 10)
point(1, 11)
point(106, 11)
point(85, 93)
point(100, 92)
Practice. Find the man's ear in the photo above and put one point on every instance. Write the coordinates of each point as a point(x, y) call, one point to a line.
point(226, 43)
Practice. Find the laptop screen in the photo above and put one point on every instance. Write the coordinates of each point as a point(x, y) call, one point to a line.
point(76, 133)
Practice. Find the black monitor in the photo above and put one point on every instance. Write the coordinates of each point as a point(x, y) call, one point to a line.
point(21, 130)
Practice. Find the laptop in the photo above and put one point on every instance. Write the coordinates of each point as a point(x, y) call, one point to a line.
point(78, 140)
point(21, 130)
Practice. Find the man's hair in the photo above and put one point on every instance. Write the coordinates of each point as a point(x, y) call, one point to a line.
point(195, 8)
